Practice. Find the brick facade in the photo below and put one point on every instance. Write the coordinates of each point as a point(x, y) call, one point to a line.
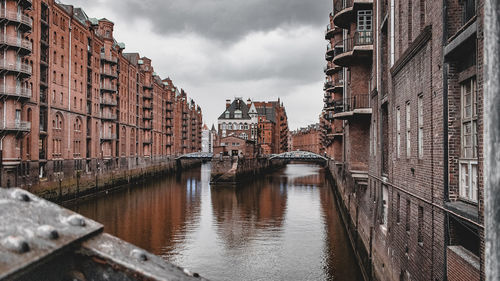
point(410, 124)
point(307, 139)
point(81, 104)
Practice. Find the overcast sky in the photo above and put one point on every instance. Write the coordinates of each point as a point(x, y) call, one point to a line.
point(219, 49)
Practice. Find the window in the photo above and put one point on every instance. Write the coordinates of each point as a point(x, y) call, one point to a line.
point(408, 130)
point(385, 196)
point(408, 214)
point(226, 114)
point(364, 20)
point(237, 114)
point(398, 203)
point(469, 143)
point(420, 126)
point(364, 27)
point(398, 128)
point(420, 233)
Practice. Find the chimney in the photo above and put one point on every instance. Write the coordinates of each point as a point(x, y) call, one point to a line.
point(228, 103)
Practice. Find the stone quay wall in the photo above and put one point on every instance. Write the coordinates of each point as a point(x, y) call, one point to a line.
point(70, 182)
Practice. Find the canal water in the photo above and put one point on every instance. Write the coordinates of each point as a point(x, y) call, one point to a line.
point(281, 226)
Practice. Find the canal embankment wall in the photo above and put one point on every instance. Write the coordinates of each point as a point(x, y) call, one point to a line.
point(345, 189)
point(71, 183)
point(231, 170)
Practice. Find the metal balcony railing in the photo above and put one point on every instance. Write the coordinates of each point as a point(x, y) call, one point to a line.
point(340, 5)
point(108, 116)
point(17, 17)
point(328, 84)
point(16, 42)
point(15, 126)
point(352, 103)
point(20, 92)
point(18, 67)
point(360, 38)
point(108, 87)
point(109, 72)
point(109, 58)
point(108, 101)
point(107, 136)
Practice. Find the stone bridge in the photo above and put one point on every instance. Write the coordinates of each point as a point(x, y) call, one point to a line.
point(196, 155)
point(299, 156)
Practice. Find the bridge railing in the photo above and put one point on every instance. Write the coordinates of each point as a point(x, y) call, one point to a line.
point(40, 238)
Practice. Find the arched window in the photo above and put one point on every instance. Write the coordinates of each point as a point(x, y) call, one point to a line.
point(57, 123)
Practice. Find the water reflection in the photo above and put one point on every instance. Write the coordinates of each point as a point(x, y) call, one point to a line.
point(283, 226)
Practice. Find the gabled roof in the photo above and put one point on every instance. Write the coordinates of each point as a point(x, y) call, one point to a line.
point(238, 104)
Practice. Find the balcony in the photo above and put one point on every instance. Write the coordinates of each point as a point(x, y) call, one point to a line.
point(15, 126)
point(147, 106)
point(108, 101)
point(23, 69)
point(107, 137)
point(16, 92)
point(147, 116)
point(345, 11)
point(109, 58)
point(147, 96)
point(25, 22)
point(148, 126)
point(328, 86)
point(147, 141)
point(338, 84)
point(354, 105)
point(148, 86)
point(353, 50)
point(331, 30)
point(109, 73)
point(331, 69)
point(108, 116)
point(22, 45)
point(108, 87)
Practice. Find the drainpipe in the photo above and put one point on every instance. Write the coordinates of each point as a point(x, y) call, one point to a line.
point(69, 80)
point(492, 138)
point(445, 137)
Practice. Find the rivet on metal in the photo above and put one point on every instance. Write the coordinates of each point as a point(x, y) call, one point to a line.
point(16, 244)
point(48, 232)
point(189, 273)
point(75, 220)
point(139, 255)
point(21, 196)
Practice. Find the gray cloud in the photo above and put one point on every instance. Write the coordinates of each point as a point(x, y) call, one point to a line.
point(218, 49)
point(223, 19)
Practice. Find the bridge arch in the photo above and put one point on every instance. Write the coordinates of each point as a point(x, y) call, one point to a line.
point(298, 155)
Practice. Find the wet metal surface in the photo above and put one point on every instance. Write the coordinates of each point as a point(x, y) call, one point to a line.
point(32, 229)
point(284, 226)
point(40, 240)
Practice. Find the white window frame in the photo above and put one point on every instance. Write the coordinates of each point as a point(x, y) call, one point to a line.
point(408, 130)
point(468, 163)
point(385, 207)
point(420, 113)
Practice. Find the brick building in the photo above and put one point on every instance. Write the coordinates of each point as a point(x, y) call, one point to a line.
point(266, 123)
point(72, 100)
point(307, 139)
point(236, 146)
point(273, 127)
point(403, 119)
